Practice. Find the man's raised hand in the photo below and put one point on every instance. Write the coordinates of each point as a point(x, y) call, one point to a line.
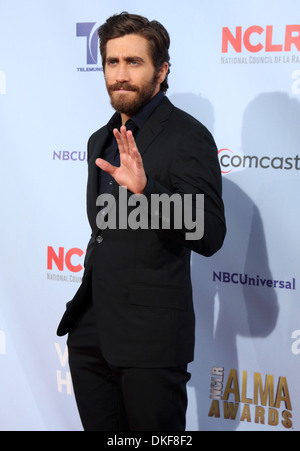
point(130, 173)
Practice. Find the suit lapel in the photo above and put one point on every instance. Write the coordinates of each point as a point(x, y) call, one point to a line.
point(154, 125)
point(93, 180)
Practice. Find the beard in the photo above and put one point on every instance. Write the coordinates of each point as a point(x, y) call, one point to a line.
point(142, 95)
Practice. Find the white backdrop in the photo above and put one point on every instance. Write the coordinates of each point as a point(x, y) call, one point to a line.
point(236, 67)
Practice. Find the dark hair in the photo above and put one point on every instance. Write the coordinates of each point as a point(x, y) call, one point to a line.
point(157, 36)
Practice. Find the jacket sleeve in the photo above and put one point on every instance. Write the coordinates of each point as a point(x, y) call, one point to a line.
point(197, 183)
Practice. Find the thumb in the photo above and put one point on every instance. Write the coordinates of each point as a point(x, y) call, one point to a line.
point(105, 166)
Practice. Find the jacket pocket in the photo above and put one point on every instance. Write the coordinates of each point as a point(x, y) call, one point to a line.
point(158, 297)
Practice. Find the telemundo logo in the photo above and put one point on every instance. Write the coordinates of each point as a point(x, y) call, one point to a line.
point(89, 31)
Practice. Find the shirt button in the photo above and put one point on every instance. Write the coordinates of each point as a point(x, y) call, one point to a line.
point(99, 239)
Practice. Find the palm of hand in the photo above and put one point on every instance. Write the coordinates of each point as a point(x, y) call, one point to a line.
point(130, 173)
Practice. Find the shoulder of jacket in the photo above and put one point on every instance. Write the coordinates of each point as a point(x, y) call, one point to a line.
point(185, 121)
point(98, 134)
point(95, 139)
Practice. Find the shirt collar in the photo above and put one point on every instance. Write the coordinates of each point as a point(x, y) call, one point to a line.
point(140, 117)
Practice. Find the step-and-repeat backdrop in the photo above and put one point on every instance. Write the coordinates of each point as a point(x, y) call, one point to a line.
point(235, 67)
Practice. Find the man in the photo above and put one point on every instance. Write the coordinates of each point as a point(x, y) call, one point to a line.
point(131, 323)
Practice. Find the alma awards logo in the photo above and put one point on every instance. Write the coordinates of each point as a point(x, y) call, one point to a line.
point(261, 405)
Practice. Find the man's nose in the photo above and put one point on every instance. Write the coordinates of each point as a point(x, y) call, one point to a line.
point(122, 74)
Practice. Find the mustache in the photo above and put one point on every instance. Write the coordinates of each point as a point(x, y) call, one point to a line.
point(126, 86)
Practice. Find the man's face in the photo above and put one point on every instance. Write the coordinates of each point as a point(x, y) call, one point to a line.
point(130, 76)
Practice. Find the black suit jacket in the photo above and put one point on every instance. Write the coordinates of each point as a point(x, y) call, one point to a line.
point(139, 280)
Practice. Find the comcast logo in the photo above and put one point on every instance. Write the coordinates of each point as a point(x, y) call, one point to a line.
point(230, 161)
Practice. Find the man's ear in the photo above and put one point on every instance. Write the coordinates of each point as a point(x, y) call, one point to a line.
point(163, 72)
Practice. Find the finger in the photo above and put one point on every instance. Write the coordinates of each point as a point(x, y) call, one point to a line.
point(138, 159)
point(105, 166)
point(119, 139)
point(124, 139)
point(131, 141)
point(133, 148)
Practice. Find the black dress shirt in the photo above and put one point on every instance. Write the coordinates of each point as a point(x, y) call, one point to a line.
point(111, 152)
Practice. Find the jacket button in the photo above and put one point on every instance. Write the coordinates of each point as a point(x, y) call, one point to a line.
point(99, 239)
